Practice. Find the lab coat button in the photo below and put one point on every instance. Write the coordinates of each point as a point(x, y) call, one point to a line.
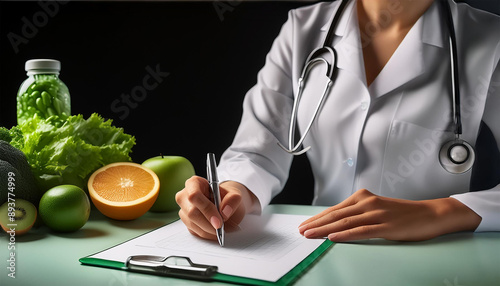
point(350, 162)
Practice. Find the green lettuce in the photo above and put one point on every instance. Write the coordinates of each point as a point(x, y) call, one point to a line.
point(68, 151)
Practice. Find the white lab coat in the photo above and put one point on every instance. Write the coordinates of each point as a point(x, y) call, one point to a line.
point(384, 137)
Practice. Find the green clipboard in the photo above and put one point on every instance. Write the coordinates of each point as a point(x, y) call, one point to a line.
point(287, 279)
point(183, 267)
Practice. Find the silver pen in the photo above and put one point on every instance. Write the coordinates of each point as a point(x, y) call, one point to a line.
point(213, 181)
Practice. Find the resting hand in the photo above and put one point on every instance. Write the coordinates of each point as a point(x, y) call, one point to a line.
point(198, 211)
point(365, 215)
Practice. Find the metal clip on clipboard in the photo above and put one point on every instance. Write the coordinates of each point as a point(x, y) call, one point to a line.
point(172, 266)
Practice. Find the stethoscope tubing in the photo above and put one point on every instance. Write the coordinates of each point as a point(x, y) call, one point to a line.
point(314, 58)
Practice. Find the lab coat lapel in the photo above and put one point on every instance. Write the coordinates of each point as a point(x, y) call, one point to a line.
point(347, 42)
point(414, 55)
point(412, 58)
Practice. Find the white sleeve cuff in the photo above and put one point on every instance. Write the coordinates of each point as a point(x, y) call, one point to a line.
point(486, 204)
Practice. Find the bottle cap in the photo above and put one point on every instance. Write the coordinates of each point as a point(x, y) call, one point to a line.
point(42, 66)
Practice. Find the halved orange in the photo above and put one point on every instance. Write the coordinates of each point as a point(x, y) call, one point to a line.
point(123, 190)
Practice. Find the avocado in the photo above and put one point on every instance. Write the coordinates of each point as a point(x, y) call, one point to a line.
point(14, 168)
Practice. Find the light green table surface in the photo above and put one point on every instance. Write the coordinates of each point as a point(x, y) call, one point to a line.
point(47, 258)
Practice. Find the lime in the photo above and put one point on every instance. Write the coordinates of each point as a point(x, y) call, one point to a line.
point(64, 208)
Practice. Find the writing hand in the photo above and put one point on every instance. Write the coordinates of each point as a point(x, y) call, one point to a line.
point(199, 213)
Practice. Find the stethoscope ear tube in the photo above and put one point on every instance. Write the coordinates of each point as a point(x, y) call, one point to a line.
point(455, 75)
point(313, 59)
point(292, 148)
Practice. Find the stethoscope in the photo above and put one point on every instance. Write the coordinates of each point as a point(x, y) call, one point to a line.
point(456, 156)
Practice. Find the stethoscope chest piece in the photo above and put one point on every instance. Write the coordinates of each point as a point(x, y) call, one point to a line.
point(457, 156)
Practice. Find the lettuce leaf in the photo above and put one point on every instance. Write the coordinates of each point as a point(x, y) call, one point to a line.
point(68, 151)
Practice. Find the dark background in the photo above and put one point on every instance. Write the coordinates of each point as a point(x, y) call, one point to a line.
point(211, 50)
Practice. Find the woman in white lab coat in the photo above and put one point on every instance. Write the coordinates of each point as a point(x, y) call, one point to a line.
point(375, 143)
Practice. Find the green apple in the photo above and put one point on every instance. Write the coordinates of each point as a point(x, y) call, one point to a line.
point(173, 171)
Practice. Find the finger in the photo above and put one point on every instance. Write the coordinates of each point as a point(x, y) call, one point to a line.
point(231, 201)
point(197, 193)
point(192, 216)
point(351, 200)
point(324, 213)
point(195, 229)
point(198, 183)
point(359, 233)
point(331, 217)
point(347, 223)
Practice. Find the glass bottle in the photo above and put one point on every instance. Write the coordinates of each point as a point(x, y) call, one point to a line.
point(42, 94)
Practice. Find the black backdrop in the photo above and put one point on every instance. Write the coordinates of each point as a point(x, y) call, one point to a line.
point(205, 56)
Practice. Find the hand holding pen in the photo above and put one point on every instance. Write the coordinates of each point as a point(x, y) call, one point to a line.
point(199, 213)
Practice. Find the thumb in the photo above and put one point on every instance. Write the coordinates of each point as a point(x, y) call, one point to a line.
point(231, 201)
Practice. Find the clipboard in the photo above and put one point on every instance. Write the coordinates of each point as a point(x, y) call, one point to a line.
point(185, 267)
point(171, 266)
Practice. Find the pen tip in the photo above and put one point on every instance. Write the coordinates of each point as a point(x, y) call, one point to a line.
point(220, 238)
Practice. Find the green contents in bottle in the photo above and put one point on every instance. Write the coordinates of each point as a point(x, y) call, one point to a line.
point(42, 94)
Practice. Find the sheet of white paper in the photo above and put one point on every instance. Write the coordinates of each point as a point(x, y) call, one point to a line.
point(265, 247)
